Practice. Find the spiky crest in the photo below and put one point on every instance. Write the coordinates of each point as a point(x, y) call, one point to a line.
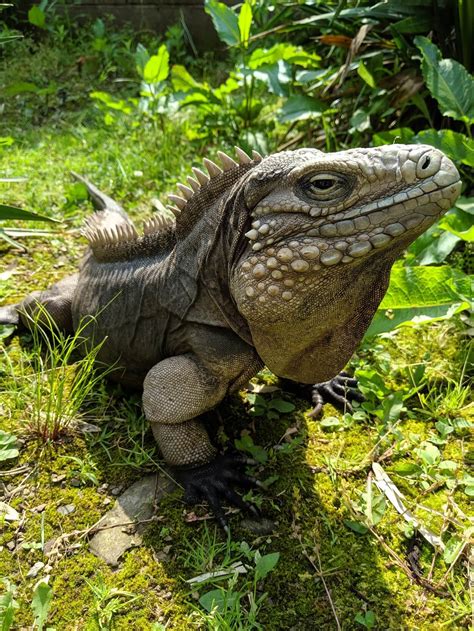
point(102, 234)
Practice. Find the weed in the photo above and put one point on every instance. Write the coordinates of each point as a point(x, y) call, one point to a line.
point(108, 601)
point(55, 389)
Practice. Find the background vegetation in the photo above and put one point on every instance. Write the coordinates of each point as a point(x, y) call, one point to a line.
point(134, 113)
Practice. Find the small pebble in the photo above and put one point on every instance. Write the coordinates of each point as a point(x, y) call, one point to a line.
point(66, 509)
point(35, 569)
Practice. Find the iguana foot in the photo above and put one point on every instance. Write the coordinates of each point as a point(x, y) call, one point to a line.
point(214, 482)
point(340, 391)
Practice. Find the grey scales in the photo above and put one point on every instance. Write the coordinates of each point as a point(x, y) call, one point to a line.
point(281, 261)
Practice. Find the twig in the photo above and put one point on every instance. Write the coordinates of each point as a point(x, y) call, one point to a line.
point(319, 571)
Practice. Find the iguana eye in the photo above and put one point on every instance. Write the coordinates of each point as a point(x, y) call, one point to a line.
point(324, 187)
point(322, 183)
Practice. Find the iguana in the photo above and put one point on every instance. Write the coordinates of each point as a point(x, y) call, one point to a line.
point(280, 260)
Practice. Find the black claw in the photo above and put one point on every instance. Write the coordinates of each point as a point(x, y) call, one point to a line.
point(340, 391)
point(213, 483)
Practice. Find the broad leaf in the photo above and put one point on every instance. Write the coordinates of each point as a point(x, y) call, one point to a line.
point(400, 134)
point(456, 146)
point(41, 603)
point(460, 223)
point(433, 246)
point(448, 81)
point(225, 22)
point(157, 67)
point(301, 107)
point(421, 294)
point(265, 564)
point(282, 52)
point(182, 80)
point(245, 22)
point(218, 599)
point(36, 16)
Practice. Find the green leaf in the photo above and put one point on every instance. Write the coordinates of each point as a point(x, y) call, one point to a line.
point(429, 453)
point(421, 294)
point(407, 469)
point(433, 246)
point(392, 408)
point(8, 604)
point(245, 22)
point(452, 549)
point(37, 16)
point(360, 121)
point(456, 146)
point(400, 134)
point(41, 603)
point(157, 67)
point(218, 599)
point(301, 107)
point(282, 406)
point(225, 22)
point(8, 446)
point(141, 57)
point(330, 423)
point(12, 212)
point(448, 81)
point(459, 223)
point(282, 52)
point(20, 87)
point(265, 564)
point(366, 619)
point(114, 104)
point(365, 74)
point(356, 526)
point(182, 80)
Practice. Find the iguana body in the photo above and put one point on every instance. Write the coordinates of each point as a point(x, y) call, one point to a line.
point(281, 261)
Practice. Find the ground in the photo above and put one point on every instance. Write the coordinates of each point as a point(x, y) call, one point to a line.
point(347, 559)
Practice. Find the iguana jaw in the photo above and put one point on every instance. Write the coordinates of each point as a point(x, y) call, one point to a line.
point(313, 271)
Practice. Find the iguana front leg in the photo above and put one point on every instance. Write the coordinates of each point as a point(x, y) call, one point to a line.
point(175, 392)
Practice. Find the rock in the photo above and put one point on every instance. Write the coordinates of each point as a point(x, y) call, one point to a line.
point(116, 490)
point(58, 477)
point(135, 504)
point(66, 509)
point(35, 569)
point(258, 527)
point(8, 512)
point(75, 482)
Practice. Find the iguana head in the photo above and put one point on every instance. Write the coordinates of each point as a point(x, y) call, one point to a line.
point(325, 230)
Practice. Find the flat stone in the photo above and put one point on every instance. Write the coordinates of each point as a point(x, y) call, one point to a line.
point(262, 526)
point(134, 505)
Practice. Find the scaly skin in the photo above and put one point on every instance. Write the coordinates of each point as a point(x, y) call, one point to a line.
point(281, 261)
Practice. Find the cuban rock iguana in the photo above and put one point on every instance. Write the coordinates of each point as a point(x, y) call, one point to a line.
point(279, 261)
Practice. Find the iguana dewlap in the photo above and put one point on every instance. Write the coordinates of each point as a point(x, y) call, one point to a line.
point(279, 261)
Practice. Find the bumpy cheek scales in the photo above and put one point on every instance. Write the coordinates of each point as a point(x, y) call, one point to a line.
point(287, 250)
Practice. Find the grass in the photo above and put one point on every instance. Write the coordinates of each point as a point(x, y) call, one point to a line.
point(347, 559)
